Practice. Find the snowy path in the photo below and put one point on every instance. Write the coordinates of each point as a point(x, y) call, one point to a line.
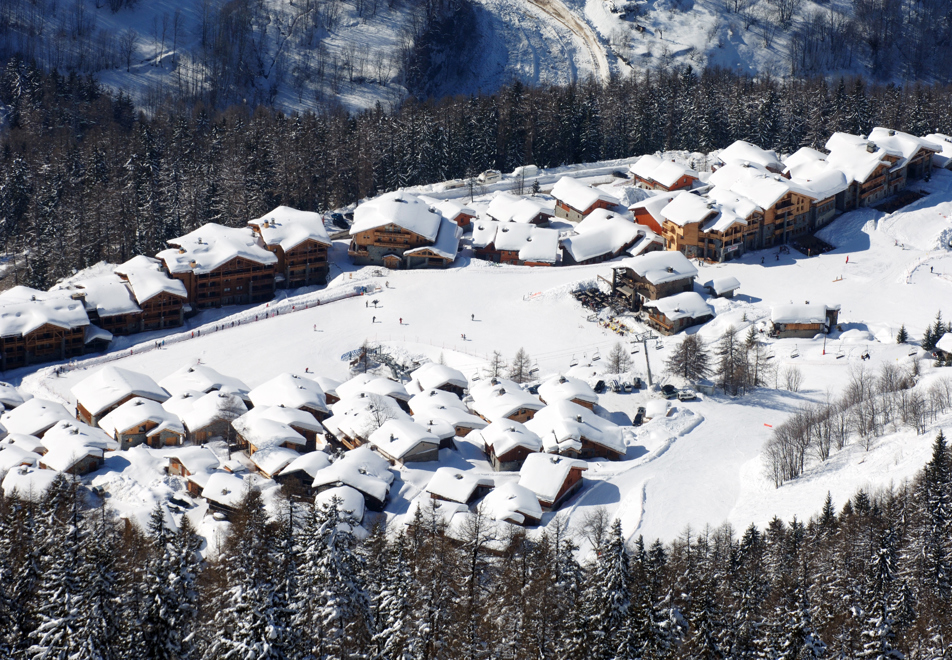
point(561, 13)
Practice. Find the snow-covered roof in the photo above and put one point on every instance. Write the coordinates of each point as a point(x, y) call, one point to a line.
point(722, 285)
point(10, 396)
point(450, 209)
point(506, 207)
point(484, 233)
point(196, 459)
point(309, 463)
point(904, 143)
point(431, 398)
point(433, 375)
point(563, 424)
point(224, 488)
point(745, 152)
point(577, 195)
point(398, 437)
point(359, 468)
point(688, 208)
point(289, 227)
point(361, 415)
point(372, 384)
point(198, 410)
point(681, 306)
point(447, 241)
point(271, 460)
point(513, 503)
point(148, 279)
point(803, 157)
point(849, 154)
point(602, 232)
point(211, 246)
point(12, 456)
point(112, 384)
point(73, 430)
point(31, 483)
point(291, 391)
point(534, 244)
point(201, 378)
point(654, 204)
point(107, 295)
point(945, 343)
point(497, 398)
point(664, 172)
point(23, 310)
point(804, 313)
point(328, 385)
point(93, 333)
point(66, 447)
point(399, 208)
point(566, 388)
point(942, 158)
point(350, 502)
point(457, 485)
point(138, 411)
point(731, 209)
point(435, 425)
point(258, 428)
point(544, 474)
point(34, 417)
point(504, 435)
point(451, 415)
point(661, 267)
point(26, 442)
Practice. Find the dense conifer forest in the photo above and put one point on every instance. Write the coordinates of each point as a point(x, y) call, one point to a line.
point(866, 579)
point(84, 176)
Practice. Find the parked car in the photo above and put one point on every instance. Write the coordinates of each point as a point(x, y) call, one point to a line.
point(687, 395)
point(489, 176)
point(621, 174)
point(638, 420)
point(626, 387)
point(453, 183)
point(642, 411)
point(533, 389)
point(615, 386)
point(526, 170)
point(637, 383)
point(339, 220)
point(599, 387)
point(669, 392)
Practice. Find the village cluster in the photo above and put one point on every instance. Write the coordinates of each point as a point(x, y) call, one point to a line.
point(214, 432)
point(752, 200)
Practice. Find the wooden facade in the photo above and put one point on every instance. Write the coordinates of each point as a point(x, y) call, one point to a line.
point(238, 281)
point(164, 310)
point(511, 461)
point(303, 265)
point(572, 483)
point(384, 245)
point(684, 181)
point(47, 343)
point(666, 326)
point(145, 434)
point(90, 419)
point(631, 286)
point(563, 210)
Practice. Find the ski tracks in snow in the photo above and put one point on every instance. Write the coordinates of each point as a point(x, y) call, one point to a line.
point(561, 14)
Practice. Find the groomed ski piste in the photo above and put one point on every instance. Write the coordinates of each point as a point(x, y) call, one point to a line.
point(702, 464)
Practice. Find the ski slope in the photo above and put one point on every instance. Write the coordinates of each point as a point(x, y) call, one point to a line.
point(699, 465)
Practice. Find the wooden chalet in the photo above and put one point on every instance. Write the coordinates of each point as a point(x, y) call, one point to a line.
point(507, 444)
point(574, 200)
point(110, 387)
point(915, 154)
point(869, 170)
point(552, 478)
point(804, 320)
point(36, 326)
point(460, 486)
point(452, 210)
point(655, 173)
point(651, 277)
point(514, 243)
point(109, 303)
point(143, 421)
point(673, 314)
point(745, 153)
point(601, 236)
point(568, 429)
point(160, 298)
point(300, 242)
point(387, 227)
point(221, 266)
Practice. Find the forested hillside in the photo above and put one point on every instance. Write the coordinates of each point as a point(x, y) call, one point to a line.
point(869, 580)
point(85, 177)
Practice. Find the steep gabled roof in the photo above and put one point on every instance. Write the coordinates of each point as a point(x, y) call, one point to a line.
point(212, 246)
point(111, 384)
point(577, 195)
point(148, 279)
point(399, 208)
point(289, 228)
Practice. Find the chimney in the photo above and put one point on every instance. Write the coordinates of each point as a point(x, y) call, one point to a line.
point(891, 132)
point(870, 147)
point(578, 418)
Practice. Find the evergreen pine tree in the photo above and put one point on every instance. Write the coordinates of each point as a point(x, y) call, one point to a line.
point(101, 614)
point(902, 336)
point(608, 597)
point(935, 496)
point(690, 359)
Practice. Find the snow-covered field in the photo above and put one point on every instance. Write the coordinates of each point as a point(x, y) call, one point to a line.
point(701, 464)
